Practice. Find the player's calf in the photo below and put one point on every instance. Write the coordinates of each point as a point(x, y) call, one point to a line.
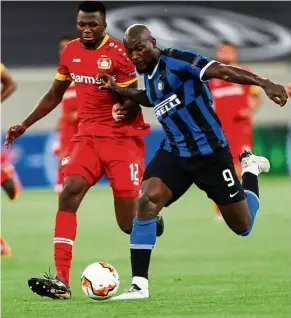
point(240, 216)
point(252, 167)
point(74, 190)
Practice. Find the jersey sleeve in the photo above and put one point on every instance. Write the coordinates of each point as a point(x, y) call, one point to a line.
point(63, 73)
point(125, 72)
point(190, 62)
point(2, 67)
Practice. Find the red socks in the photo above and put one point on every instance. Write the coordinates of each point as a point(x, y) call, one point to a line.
point(65, 234)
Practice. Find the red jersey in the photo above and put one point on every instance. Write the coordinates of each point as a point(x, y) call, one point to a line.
point(66, 128)
point(229, 99)
point(94, 105)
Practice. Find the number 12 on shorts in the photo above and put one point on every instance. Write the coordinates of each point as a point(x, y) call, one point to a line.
point(134, 173)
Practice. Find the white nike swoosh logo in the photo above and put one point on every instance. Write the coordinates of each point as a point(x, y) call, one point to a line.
point(232, 195)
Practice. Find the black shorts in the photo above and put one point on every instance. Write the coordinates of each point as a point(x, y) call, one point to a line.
point(215, 174)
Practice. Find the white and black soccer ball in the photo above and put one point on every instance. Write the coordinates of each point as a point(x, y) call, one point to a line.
point(100, 281)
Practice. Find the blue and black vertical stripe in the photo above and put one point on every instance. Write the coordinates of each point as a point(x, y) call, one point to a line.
point(192, 128)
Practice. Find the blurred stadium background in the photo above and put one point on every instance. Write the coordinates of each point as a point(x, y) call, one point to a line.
point(262, 34)
point(222, 275)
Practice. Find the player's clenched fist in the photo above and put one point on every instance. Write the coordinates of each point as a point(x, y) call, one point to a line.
point(13, 133)
point(108, 81)
point(276, 92)
point(288, 89)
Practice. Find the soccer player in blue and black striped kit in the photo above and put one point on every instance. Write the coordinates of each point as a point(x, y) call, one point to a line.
point(194, 150)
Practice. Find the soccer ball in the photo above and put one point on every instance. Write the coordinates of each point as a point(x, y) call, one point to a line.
point(100, 281)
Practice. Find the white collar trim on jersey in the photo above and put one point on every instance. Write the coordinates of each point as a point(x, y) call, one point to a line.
point(154, 71)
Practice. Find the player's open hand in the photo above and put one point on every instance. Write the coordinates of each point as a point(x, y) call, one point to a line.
point(108, 80)
point(276, 92)
point(13, 133)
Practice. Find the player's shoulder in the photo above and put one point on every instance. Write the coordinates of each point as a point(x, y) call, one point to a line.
point(114, 41)
point(116, 51)
point(70, 50)
point(179, 54)
point(73, 44)
point(115, 46)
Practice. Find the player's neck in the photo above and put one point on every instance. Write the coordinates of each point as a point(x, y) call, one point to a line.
point(92, 46)
point(154, 62)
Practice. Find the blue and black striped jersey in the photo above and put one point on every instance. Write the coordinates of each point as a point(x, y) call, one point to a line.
point(183, 103)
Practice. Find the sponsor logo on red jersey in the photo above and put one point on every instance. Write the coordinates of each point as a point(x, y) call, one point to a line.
point(86, 79)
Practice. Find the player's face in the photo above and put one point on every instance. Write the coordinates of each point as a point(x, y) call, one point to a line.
point(90, 26)
point(141, 53)
point(226, 54)
point(62, 45)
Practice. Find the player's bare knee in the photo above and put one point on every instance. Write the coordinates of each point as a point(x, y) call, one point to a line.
point(9, 188)
point(242, 225)
point(237, 217)
point(72, 193)
point(149, 204)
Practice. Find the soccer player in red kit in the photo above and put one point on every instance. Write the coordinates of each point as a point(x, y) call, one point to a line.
point(68, 121)
point(235, 105)
point(101, 145)
point(9, 179)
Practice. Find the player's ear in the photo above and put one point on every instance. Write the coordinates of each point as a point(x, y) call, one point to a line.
point(105, 24)
point(154, 42)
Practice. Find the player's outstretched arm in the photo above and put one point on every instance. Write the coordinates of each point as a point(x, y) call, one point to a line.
point(47, 103)
point(8, 84)
point(275, 92)
point(138, 95)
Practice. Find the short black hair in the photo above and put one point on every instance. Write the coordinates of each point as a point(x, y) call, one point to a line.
point(228, 43)
point(92, 6)
point(67, 37)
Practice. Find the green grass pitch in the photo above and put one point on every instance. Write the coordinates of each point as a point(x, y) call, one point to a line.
point(199, 267)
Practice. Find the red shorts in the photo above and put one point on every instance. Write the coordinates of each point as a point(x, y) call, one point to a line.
point(7, 169)
point(121, 158)
point(240, 140)
point(7, 172)
point(60, 149)
point(4, 175)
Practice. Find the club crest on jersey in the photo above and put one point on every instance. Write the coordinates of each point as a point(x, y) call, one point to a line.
point(104, 63)
point(160, 86)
